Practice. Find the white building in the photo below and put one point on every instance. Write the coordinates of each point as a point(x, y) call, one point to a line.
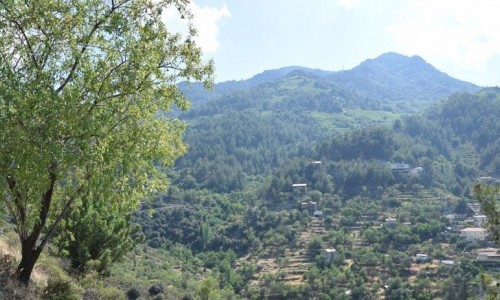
point(479, 220)
point(390, 222)
point(400, 168)
point(417, 170)
point(488, 254)
point(474, 233)
point(421, 257)
point(329, 253)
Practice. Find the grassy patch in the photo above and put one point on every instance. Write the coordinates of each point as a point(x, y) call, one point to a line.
point(356, 118)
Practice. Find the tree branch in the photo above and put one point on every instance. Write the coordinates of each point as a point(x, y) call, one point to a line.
point(59, 218)
point(86, 44)
point(25, 37)
point(45, 207)
point(17, 200)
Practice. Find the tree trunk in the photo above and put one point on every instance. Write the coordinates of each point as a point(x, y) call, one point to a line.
point(30, 254)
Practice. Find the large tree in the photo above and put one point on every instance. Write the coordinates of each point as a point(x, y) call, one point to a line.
point(84, 90)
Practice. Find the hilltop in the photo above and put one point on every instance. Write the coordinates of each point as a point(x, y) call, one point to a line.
point(388, 77)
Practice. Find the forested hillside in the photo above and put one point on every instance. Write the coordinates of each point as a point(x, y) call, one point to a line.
point(307, 184)
point(234, 208)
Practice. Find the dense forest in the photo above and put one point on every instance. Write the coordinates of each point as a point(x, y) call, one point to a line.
point(234, 208)
point(308, 184)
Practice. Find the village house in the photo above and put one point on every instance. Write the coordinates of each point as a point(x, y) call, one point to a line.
point(447, 262)
point(318, 214)
point(329, 253)
point(390, 222)
point(488, 255)
point(400, 168)
point(455, 218)
point(309, 206)
point(417, 170)
point(479, 220)
point(422, 257)
point(472, 234)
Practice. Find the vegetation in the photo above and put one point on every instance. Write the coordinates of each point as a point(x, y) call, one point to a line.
point(79, 106)
point(297, 184)
point(488, 198)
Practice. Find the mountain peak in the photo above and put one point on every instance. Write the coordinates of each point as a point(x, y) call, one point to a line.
point(396, 61)
point(393, 76)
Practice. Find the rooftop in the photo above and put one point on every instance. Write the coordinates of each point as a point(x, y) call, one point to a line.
point(473, 229)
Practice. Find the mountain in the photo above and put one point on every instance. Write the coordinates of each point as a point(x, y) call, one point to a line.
point(393, 76)
point(291, 90)
point(390, 77)
point(198, 94)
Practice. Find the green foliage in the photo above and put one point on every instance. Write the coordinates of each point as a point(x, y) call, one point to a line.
point(81, 86)
point(232, 202)
point(95, 235)
point(488, 198)
point(226, 149)
point(61, 289)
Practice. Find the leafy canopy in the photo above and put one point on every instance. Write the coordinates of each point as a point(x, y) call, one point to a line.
point(82, 83)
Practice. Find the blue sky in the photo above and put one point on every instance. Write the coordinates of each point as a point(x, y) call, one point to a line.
point(246, 37)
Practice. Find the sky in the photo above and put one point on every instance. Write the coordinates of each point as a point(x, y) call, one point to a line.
point(246, 37)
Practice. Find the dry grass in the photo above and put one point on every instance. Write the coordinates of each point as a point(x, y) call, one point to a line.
point(10, 288)
point(10, 255)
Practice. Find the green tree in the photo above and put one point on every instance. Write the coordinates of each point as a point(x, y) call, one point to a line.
point(96, 233)
point(488, 198)
point(82, 87)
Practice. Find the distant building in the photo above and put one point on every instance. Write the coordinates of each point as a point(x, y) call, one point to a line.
point(474, 207)
point(422, 257)
point(488, 255)
point(474, 234)
point(447, 262)
point(455, 218)
point(479, 220)
point(300, 185)
point(329, 253)
point(487, 179)
point(318, 214)
point(390, 222)
point(417, 170)
point(309, 206)
point(400, 168)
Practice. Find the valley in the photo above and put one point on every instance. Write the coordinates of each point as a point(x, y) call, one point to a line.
point(382, 153)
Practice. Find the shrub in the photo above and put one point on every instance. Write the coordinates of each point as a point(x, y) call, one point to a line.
point(155, 289)
point(133, 294)
point(61, 289)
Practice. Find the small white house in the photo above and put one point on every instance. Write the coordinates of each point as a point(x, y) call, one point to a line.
point(318, 214)
point(474, 234)
point(488, 254)
point(329, 253)
point(400, 168)
point(300, 185)
point(421, 257)
point(447, 262)
point(417, 171)
point(390, 222)
point(479, 220)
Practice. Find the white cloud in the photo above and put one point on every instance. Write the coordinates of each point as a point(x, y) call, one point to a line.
point(465, 32)
point(206, 21)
